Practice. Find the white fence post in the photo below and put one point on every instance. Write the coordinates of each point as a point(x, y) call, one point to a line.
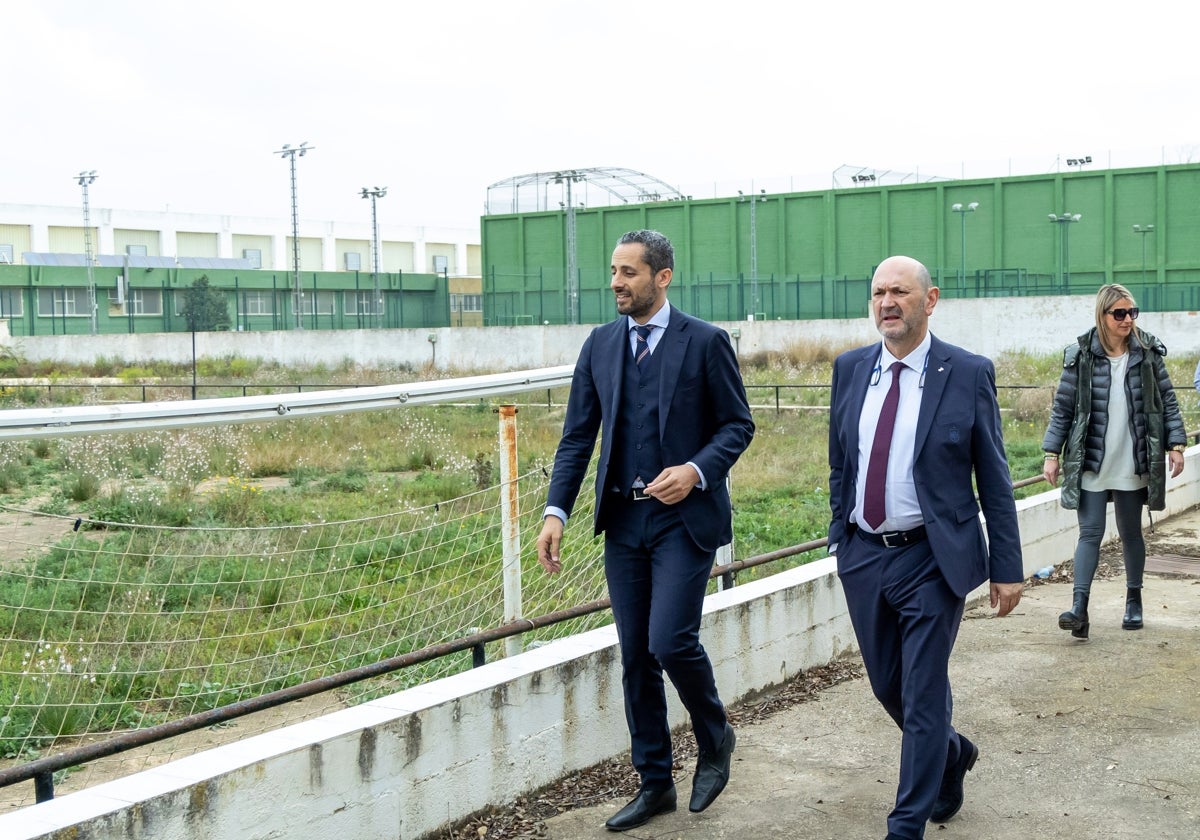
point(511, 519)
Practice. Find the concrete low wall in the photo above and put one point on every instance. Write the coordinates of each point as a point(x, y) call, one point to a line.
point(405, 765)
point(989, 326)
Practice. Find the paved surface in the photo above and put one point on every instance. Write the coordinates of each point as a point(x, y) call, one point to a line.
point(1078, 740)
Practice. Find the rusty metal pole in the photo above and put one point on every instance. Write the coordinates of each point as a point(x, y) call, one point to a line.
point(511, 520)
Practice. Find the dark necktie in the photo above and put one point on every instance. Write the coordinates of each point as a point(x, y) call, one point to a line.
point(643, 342)
point(873, 508)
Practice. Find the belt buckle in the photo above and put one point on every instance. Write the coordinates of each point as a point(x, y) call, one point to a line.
point(892, 535)
point(639, 495)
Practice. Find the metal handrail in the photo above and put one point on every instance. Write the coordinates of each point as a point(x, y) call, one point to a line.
point(42, 770)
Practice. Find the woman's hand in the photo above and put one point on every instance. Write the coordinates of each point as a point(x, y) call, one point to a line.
point(1050, 470)
point(1176, 461)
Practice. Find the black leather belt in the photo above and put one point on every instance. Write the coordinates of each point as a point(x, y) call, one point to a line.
point(634, 495)
point(894, 539)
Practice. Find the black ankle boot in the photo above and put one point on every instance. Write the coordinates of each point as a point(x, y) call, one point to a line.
point(1133, 610)
point(1076, 619)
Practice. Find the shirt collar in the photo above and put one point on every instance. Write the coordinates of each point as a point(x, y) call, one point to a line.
point(916, 360)
point(659, 319)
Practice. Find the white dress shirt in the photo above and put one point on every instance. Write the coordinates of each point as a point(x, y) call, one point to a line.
point(900, 494)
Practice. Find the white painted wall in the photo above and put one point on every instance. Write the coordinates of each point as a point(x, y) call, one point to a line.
point(405, 765)
point(990, 326)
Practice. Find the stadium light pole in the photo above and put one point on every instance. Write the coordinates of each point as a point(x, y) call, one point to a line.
point(1064, 222)
point(291, 154)
point(754, 202)
point(569, 177)
point(962, 214)
point(85, 180)
point(373, 194)
point(1142, 230)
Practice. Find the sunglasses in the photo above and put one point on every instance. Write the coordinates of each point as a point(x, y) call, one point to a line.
point(1121, 314)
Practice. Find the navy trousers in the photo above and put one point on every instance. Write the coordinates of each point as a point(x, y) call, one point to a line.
point(657, 577)
point(906, 619)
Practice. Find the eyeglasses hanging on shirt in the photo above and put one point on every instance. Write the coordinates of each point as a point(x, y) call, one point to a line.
point(878, 372)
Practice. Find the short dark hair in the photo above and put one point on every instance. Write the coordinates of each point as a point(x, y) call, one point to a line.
point(657, 249)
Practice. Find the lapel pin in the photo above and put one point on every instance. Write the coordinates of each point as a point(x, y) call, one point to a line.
point(940, 370)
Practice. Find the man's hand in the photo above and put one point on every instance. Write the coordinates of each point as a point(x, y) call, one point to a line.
point(548, 543)
point(673, 484)
point(1005, 597)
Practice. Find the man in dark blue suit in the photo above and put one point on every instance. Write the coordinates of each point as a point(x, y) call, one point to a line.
point(911, 420)
point(664, 391)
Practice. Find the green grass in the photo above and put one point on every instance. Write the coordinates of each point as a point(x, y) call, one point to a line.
point(232, 602)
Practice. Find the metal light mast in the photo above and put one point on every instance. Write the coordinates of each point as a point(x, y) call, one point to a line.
point(291, 154)
point(373, 194)
point(85, 179)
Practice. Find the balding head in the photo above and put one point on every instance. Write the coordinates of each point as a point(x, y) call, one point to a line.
point(902, 299)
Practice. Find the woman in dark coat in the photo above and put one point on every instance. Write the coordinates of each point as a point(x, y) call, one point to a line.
point(1114, 418)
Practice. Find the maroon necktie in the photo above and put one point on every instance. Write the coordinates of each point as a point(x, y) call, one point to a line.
point(643, 342)
point(873, 509)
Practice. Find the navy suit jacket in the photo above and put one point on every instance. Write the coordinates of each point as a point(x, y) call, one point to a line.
point(958, 434)
point(702, 412)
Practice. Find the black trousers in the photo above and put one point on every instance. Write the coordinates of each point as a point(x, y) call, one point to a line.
point(906, 619)
point(657, 578)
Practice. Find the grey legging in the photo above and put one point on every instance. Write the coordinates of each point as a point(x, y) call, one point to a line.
point(1127, 504)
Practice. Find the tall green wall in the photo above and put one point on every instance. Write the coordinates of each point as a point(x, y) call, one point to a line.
point(816, 250)
point(409, 300)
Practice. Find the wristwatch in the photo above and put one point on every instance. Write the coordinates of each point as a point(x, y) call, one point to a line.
point(1179, 447)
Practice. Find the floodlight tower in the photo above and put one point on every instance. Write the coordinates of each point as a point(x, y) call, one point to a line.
point(373, 194)
point(754, 201)
point(569, 177)
point(1142, 230)
point(962, 213)
point(1064, 222)
point(86, 179)
point(291, 154)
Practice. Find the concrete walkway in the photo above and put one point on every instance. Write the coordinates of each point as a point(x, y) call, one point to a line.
point(1078, 740)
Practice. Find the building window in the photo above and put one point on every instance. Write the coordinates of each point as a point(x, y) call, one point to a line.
point(258, 303)
point(6, 254)
point(317, 303)
point(146, 301)
point(363, 303)
point(12, 303)
point(71, 300)
point(253, 256)
point(472, 303)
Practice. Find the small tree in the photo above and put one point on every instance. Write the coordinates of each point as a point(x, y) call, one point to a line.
point(204, 307)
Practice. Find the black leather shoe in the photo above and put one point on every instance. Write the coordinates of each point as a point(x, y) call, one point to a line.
point(647, 804)
point(950, 797)
point(712, 773)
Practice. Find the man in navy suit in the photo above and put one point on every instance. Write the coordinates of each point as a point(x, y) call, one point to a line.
point(911, 420)
point(664, 390)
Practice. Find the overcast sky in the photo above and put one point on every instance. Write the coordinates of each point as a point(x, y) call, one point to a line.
point(180, 105)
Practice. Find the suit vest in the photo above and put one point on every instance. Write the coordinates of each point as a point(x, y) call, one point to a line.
point(636, 447)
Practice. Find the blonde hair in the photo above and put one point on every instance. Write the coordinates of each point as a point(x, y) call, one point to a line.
point(1106, 298)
